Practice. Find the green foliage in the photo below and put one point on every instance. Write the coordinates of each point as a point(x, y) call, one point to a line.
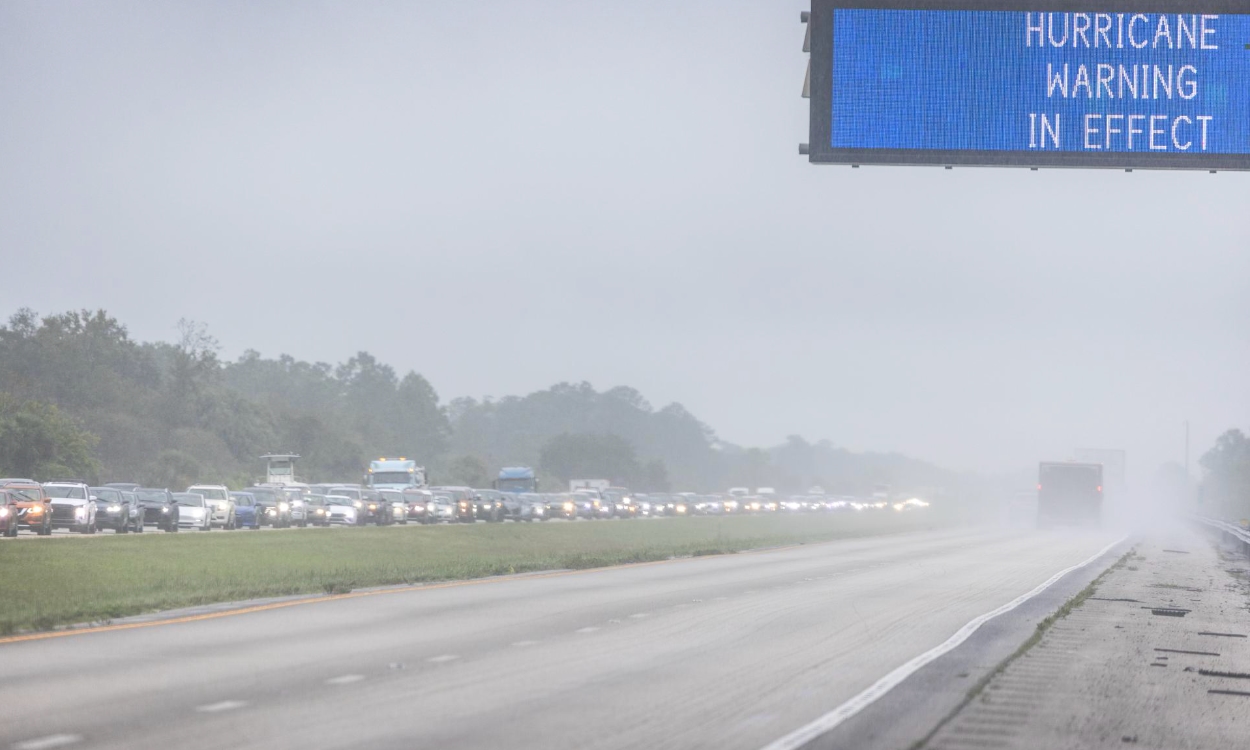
point(1226, 487)
point(591, 456)
point(39, 441)
point(465, 471)
point(173, 413)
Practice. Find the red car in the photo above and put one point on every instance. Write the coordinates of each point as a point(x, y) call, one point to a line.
point(8, 513)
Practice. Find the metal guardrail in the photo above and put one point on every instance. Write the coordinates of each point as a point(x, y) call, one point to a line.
point(1232, 529)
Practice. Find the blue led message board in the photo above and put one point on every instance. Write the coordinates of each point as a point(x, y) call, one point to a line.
point(1152, 83)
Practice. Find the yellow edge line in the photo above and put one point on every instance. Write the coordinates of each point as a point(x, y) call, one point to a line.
point(359, 594)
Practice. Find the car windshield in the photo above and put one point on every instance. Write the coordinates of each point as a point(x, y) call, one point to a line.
point(107, 494)
point(152, 496)
point(210, 493)
point(244, 501)
point(338, 500)
point(190, 501)
point(67, 491)
point(315, 500)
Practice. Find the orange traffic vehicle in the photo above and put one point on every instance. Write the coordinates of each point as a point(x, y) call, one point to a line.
point(34, 507)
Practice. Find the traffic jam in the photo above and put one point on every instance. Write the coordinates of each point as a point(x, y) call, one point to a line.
point(395, 492)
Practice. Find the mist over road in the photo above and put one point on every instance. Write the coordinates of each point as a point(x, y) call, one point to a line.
point(730, 652)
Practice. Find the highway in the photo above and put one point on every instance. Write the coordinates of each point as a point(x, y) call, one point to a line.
point(726, 652)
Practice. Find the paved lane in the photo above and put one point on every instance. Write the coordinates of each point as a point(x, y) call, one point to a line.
point(726, 652)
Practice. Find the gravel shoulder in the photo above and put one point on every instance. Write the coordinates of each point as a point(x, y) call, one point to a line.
point(1157, 657)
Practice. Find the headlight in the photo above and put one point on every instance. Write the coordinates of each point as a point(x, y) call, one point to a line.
point(80, 511)
point(35, 510)
point(4, 512)
point(115, 509)
point(568, 507)
point(271, 511)
point(357, 504)
point(321, 511)
point(164, 510)
point(538, 511)
point(373, 506)
point(283, 506)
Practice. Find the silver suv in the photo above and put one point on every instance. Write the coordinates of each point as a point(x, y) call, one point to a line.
point(217, 498)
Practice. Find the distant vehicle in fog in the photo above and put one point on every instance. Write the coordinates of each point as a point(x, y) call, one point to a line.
point(72, 506)
point(275, 510)
point(117, 510)
point(395, 507)
point(247, 512)
point(160, 509)
point(1069, 493)
point(342, 509)
point(217, 497)
point(395, 474)
point(516, 479)
point(8, 513)
point(318, 510)
point(194, 511)
point(34, 507)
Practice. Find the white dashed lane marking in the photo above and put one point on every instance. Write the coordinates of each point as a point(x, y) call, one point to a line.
point(49, 742)
point(639, 615)
point(443, 659)
point(213, 708)
point(345, 679)
point(590, 629)
point(525, 643)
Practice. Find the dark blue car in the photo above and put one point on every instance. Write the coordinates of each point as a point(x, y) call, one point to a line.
point(245, 510)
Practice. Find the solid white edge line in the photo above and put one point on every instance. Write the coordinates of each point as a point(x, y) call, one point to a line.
point(46, 743)
point(831, 720)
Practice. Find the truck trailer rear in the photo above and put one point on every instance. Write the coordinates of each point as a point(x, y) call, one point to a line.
point(1069, 494)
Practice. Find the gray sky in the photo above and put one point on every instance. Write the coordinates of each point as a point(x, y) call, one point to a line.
point(505, 195)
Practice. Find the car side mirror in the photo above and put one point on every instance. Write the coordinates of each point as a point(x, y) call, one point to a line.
point(93, 498)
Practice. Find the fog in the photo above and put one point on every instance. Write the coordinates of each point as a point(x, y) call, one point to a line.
point(503, 196)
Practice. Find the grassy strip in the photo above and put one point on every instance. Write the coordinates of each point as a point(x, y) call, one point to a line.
point(1076, 601)
point(57, 582)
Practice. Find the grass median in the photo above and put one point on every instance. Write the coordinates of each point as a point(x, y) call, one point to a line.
point(53, 582)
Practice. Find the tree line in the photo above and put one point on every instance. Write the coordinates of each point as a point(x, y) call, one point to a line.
point(80, 398)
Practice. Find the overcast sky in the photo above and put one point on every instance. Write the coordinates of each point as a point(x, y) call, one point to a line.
point(509, 194)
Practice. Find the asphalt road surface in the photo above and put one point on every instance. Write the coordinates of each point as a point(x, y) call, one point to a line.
point(726, 652)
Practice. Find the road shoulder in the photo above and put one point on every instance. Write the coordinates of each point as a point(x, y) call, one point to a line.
point(908, 713)
point(1148, 660)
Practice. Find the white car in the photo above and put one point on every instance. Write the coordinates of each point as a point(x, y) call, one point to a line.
point(73, 506)
point(342, 509)
point(442, 509)
point(219, 502)
point(193, 511)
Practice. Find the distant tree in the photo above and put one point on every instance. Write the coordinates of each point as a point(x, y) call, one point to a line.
point(591, 456)
point(1226, 486)
point(39, 441)
point(174, 470)
point(466, 471)
point(655, 477)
